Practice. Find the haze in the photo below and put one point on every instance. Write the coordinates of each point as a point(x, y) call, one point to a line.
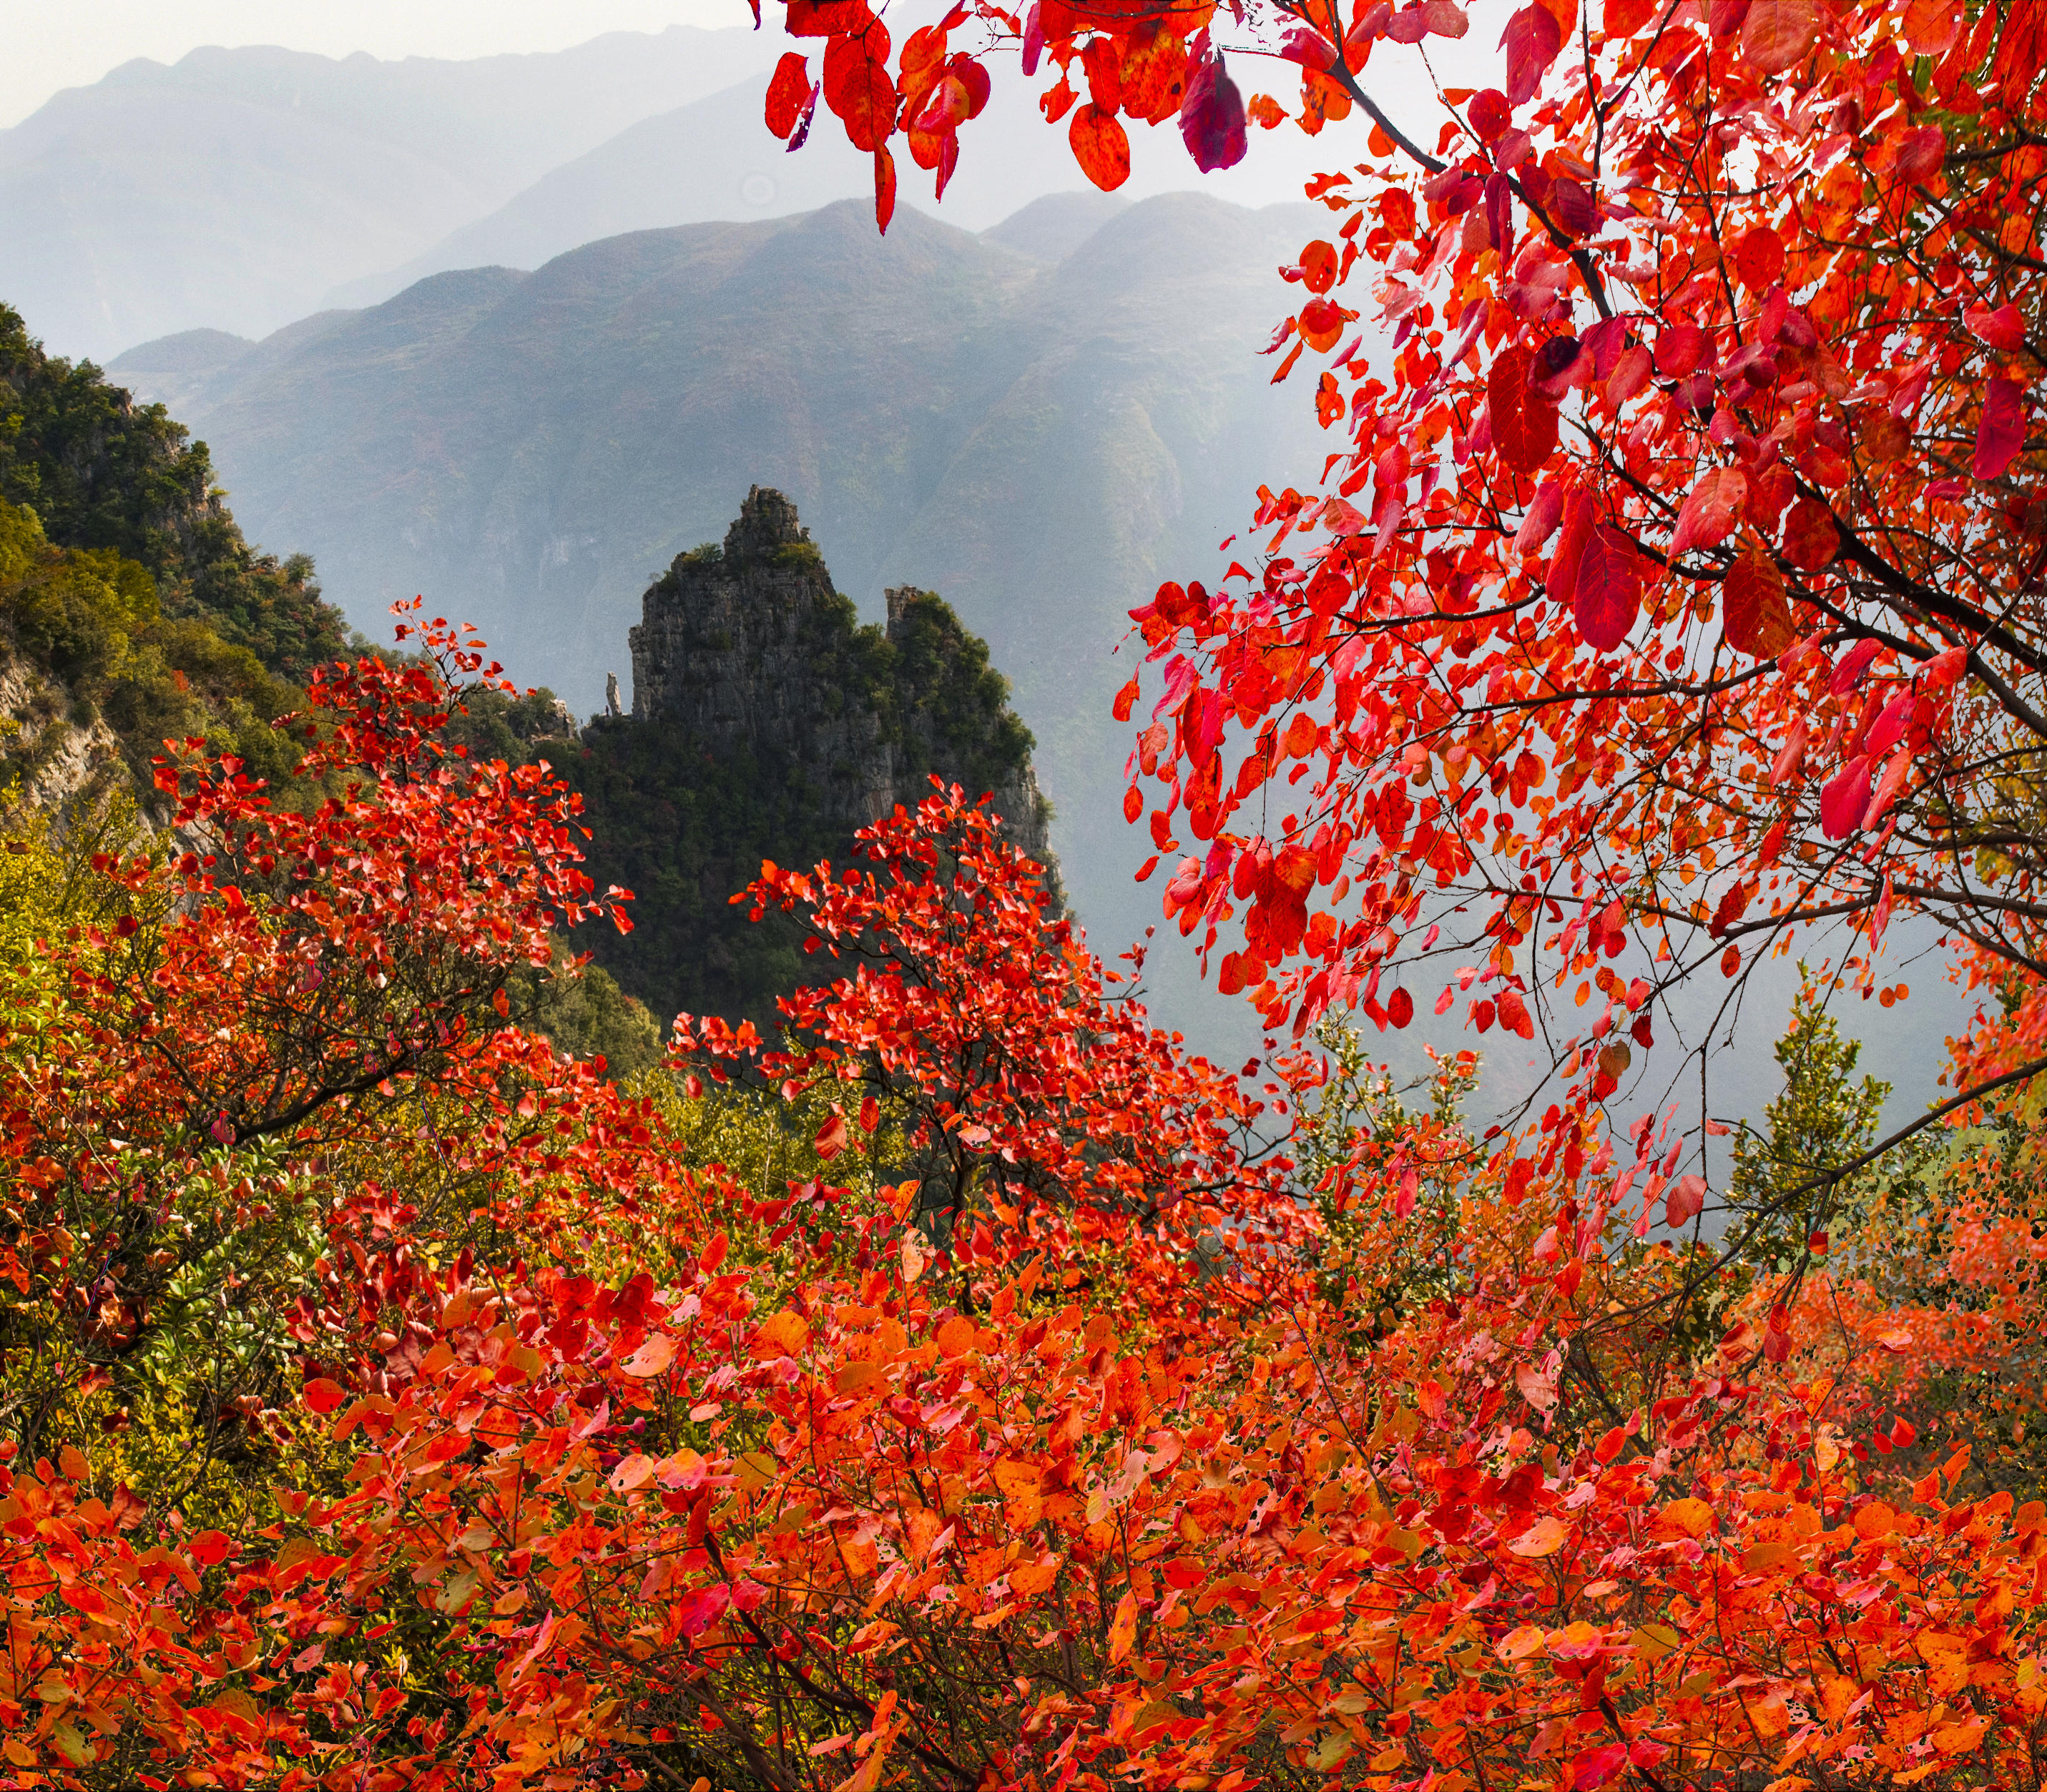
point(52, 47)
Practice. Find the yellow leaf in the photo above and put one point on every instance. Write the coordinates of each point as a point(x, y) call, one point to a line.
point(755, 1469)
point(1654, 1641)
point(1332, 1751)
point(457, 1592)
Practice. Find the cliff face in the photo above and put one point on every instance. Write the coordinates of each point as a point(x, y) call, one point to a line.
point(745, 647)
point(767, 723)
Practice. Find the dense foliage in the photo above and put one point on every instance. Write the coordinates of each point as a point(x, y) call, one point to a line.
point(128, 594)
point(965, 1385)
point(962, 1389)
point(103, 472)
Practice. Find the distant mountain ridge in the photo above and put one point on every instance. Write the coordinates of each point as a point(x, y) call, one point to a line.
point(233, 190)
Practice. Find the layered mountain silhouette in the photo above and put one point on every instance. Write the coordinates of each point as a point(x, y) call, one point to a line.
point(235, 188)
point(714, 159)
point(1040, 438)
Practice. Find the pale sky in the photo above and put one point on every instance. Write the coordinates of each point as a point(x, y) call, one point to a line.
point(71, 44)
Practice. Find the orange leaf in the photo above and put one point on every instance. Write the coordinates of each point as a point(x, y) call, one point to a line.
point(782, 1334)
point(1123, 1632)
point(1932, 26)
point(1545, 1537)
point(652, 1357)
point(1100, 146)
point(1689, 1518)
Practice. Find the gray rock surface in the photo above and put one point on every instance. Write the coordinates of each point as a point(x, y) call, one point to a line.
point(747, 645)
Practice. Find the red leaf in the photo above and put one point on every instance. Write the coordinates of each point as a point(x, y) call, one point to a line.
point(1133, 804)
point(2003, 329)
point(1778, 35)
point(1514, 1014)
point(1757, 618)
point(826, 18)
point(209, 1547)
point(1531, 40)
point(1848, 674)
point(860, 89)
point(1685, 1201)
point(1126, 700)
point(1561, 579)
point(322, 1396)
point(1400, 1008)
point(1100, 146)
point(1845, 799)
point(1680, 348)
point(1596, 1766)
point(1524, 427)
point(831, 1137)
point(1711, 511)
point(2000, 430)
point(1760, 256)
point(884, 189)
point(1811, 541)
point(787, 94)
point(1609, 590)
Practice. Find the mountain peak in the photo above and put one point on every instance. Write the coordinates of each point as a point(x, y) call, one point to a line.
point(766, 521)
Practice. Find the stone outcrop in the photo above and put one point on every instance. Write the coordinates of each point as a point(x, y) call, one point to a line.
point(746, 647)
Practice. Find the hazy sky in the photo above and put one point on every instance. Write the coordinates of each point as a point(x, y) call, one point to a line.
point(72, 45)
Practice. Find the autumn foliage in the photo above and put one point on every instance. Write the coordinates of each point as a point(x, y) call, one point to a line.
point(968, 1386)
point(1034, 1419)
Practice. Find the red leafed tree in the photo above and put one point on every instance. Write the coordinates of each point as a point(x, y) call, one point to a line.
point(1068, 1459)
point(1041, 1112)
point(1674, 578)
point(368, 939)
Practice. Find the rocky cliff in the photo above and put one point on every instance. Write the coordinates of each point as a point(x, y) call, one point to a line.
point(767, 723)
point(745, 645)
